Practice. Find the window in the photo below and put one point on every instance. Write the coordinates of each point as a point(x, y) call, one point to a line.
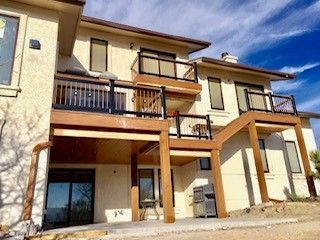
point(146, 185)
point(257, 101)
point(205, 164)
point(8, 38)
point(98, 55)
point(263, 154)
point(215, 93)
point(152, 65)
point(293, 157)
point(160, 188)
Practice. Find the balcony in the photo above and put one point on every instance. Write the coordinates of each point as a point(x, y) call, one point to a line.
point(108, 97)
point(190, 126)
point(177, 76)
point(268, 102)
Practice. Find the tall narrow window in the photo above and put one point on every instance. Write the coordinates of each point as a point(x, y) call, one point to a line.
point(98, 55)
point(8, 38)
point(263, 154)
point(146, 185)
point(215, 93)
point(293, 157)
point(160, 187)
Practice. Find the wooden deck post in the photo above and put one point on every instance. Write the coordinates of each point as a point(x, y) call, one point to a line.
point(134, 189)
point(305, 159)
point(258, 162)
point(168, 212)
point(218, 185)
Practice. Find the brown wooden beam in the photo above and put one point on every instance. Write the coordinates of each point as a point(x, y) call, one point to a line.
point(166, 183)
point(305, 160)
point(190, 144)
point(218, 185)
point(27, 208)
point(134, 189)
point(258, 161)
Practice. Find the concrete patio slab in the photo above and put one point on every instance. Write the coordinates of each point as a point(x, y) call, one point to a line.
point(149, 228)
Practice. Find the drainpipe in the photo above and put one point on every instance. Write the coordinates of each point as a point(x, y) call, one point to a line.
point(27, 208)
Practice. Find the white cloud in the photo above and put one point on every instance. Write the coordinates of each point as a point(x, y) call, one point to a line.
point(287, 86)
point(299, 69)
point(239, 27)
point(310, 105)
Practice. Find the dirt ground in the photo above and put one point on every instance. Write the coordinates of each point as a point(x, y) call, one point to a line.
point(308, 227)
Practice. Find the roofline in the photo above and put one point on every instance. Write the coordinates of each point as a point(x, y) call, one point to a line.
point(203, 44)
point(309, 115)
point(74, 2)
point(245, 67)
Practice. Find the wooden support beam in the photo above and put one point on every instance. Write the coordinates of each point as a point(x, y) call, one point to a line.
point(305, 159)
point(134, 189)
point(258, 161)
point(218, 185)
point(27, 208)
point(168, 212)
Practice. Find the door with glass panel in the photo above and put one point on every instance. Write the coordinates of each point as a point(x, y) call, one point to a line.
point(256, 101)
point(69, 197)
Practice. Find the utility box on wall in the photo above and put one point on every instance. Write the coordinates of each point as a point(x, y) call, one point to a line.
point(204, 204)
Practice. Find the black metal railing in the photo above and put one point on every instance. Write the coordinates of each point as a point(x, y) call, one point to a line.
point(268, 102)
point(109, 97)
point(166, 68)
point(190, 126)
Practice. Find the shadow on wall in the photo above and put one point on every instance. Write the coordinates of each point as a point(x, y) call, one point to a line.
point(18, 135)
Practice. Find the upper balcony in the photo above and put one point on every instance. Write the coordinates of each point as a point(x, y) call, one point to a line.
point(177, 76)
point(267, 102)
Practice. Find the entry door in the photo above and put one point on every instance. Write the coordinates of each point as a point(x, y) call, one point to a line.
point(69, 197)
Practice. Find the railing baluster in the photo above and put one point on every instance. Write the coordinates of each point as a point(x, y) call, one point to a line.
point(164, 104)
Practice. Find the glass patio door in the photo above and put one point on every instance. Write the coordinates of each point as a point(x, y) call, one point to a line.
point(69, 197)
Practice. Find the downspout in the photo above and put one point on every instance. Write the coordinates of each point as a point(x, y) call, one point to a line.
point(27, 208)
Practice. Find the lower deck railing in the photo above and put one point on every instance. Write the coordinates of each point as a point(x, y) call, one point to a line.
point(190, 126)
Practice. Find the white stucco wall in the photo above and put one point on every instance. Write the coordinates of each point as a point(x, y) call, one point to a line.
point(26, 114)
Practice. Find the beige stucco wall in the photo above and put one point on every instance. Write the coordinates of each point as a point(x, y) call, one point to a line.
point(228, 79)
point(120, 55)
point(25, 116)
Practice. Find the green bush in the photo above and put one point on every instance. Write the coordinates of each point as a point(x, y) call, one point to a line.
point(315, 158)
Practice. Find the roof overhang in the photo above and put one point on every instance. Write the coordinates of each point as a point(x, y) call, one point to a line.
point(70, 12)
point(309, 115)
point(193, 45)
point(241, 68)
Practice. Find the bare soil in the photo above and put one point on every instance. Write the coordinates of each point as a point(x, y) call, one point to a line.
point(308, 227)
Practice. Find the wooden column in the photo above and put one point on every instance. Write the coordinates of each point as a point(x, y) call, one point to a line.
point(258, 162)
point(218, 185)
point(305, 159)
point(166, 183)
point(134, 189)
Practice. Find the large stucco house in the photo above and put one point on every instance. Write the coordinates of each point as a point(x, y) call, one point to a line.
point(97, 117)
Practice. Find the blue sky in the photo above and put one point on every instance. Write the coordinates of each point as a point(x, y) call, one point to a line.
point(275, 34)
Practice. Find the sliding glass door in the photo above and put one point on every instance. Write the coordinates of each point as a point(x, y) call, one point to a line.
point(69, 197)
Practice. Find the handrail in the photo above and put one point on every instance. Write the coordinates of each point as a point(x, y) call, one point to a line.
point(109, 96)
point(191, 125)
point(138, 67)
point(274, 103)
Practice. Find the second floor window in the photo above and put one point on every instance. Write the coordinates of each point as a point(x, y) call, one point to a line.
point(98, 55)
point(215, 93)
point(8, 38)
point(263, 154)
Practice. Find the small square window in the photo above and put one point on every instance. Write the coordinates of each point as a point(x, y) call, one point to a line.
point(205, 164)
